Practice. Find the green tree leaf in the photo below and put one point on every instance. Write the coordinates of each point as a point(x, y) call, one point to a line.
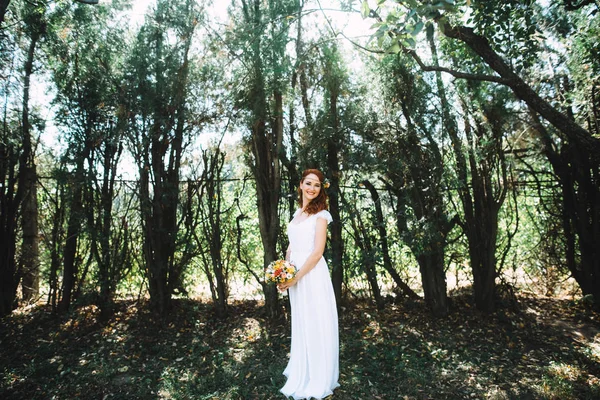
point(418, 28)
point(365, 10)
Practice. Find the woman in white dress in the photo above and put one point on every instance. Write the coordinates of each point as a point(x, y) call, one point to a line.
point(313, 368)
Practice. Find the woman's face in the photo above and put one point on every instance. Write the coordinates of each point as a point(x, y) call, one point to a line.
point(310, 186)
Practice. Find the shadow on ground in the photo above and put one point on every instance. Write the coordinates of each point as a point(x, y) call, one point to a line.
point(546, 349)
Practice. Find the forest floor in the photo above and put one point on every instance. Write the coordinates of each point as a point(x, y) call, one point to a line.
point(543, 349)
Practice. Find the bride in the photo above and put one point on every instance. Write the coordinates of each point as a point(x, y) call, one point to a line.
point(313, 369)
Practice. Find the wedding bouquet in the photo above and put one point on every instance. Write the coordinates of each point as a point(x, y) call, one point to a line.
point(280, 271)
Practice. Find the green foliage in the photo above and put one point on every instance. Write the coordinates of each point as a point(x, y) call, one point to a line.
point(408, 155)
point(512, 28)
point(111, 84)
point(403, 21)
point(582, 91)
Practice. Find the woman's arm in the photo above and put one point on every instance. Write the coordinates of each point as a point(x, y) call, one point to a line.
point(313, 258)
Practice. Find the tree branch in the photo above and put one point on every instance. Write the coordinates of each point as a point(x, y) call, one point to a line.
point(480, 45)
point(413, 54)
point(572, 5)
point(456, 74)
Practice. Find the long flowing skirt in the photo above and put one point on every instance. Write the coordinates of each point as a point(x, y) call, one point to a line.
point(313, 368)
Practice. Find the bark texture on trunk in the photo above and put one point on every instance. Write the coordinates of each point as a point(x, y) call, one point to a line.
point(333, 170)
point(30, 263)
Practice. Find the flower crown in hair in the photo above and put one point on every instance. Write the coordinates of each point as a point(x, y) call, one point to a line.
point(326, 183)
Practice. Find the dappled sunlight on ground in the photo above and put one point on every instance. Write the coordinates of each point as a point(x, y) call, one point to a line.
point(400, 352)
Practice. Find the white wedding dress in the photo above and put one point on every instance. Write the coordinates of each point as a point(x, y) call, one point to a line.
point(313, 368)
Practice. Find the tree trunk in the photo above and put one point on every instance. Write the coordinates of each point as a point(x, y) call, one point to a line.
point(55, 244)
point(429, 253)
point(70, 263)
point(580, 209)
point(10, 198)
point(482, 237)
point(104, 259)
point(337, 243)
point(159, 236)
point(433, 278)
point(333, 171)
point(481, 222)
point(108, 249)
point(480, 207)
point(161, 220)
point(266, 148)
point(212, 227)
point(294, 177)
point(387, 261)
point(30, 264)
point(162, 156)
point(302, 57)
point(363, 241)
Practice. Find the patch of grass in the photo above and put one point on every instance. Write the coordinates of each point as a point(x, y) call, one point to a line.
point(547, 350)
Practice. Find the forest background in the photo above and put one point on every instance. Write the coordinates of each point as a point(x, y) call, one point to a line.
point(153, 156)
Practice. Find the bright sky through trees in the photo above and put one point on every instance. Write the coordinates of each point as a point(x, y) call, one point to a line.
point(325, 13)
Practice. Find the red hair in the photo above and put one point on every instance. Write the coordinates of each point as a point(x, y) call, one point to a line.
point(319, 203)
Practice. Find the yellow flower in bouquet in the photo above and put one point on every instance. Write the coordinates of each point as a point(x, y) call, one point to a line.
point(280, 271)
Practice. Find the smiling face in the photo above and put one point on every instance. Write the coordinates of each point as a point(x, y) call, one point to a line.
point(311, 187)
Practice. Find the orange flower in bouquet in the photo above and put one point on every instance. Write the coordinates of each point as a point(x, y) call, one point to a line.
point(280, 271)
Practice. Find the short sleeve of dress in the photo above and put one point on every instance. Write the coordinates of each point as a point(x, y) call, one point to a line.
point(325, 215)
point(298, 211)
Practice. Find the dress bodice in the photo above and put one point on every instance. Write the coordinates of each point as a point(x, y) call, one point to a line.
point(302, 234)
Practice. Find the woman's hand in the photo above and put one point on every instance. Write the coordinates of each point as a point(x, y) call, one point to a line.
point(282, 287)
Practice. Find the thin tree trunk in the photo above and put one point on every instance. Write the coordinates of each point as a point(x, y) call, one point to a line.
point(9, 204)
point(333, 170)
point(56, 240)
point(70, 265)
point(212, 227)
point(105, 246)
point(387, 260)
point(301, 56)
point(159, 235)
point(363, 241)
point(290, 164)
point(266, 149)
point(30, 264)
point(294, 178)
point(429, 253)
